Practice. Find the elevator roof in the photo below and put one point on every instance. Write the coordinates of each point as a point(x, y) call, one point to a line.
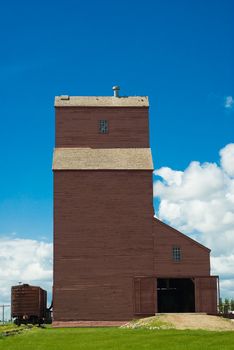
point(102, 159)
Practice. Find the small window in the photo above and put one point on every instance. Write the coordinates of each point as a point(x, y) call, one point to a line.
point(176, 253)
point(103, 126)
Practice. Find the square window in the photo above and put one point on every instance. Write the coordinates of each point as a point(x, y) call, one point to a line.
point(176, 253)
point(103, 126)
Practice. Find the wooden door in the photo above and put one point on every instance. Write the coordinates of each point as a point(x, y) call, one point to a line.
point(206, 294)
point(145, 296)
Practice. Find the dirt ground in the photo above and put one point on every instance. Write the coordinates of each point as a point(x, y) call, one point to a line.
point(185, 321)
point(196, 321)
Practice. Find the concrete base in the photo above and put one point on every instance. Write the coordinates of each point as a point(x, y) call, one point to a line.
point(65, 324)
point(180, 313)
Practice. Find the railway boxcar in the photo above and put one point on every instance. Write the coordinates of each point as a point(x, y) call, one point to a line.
point(28, 304)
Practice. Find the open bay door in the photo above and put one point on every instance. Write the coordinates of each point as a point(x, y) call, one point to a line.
point(144, 296)
point(206, 294)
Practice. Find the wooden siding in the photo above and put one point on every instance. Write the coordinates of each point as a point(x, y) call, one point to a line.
point(78, 127)
point(102, 240)
point(195, 258)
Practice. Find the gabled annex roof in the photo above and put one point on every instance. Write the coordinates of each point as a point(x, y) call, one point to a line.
point(102, 159)
point(101, 101)
point(181, 234)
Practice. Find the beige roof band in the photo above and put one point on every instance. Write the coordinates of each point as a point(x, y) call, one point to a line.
point(101, 101)
point(102, 159)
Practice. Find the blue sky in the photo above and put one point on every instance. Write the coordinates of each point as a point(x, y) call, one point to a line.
point(179, 53)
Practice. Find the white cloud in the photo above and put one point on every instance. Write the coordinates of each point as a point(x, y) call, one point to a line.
point(223, 266)
point(200, 202)
point(26, 261)
point(229, 102)
point(227, 159)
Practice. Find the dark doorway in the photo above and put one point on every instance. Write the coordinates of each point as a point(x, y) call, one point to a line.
point(175, 295)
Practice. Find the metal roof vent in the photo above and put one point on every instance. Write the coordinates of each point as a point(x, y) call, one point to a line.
point(116, 90)
point(64, 97)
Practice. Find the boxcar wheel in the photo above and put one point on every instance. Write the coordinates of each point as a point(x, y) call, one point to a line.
point(17, 322)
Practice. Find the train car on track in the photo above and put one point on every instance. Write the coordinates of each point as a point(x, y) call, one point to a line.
point(28, 304)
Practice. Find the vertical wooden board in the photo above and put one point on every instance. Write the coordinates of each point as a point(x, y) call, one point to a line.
point(206, 294)
point(144, 295)
point(137, 295)
point(156, 294)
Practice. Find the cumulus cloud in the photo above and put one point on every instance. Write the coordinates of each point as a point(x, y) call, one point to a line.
point(228, 102)
point(227, 159)
point(199, 201)
point(26, 261)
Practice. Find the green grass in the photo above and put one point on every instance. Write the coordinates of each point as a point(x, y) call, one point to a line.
point(116, 339)
point(12, 329)
point(7, 327)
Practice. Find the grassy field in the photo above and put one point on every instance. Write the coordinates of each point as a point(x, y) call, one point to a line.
point(116, 339)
